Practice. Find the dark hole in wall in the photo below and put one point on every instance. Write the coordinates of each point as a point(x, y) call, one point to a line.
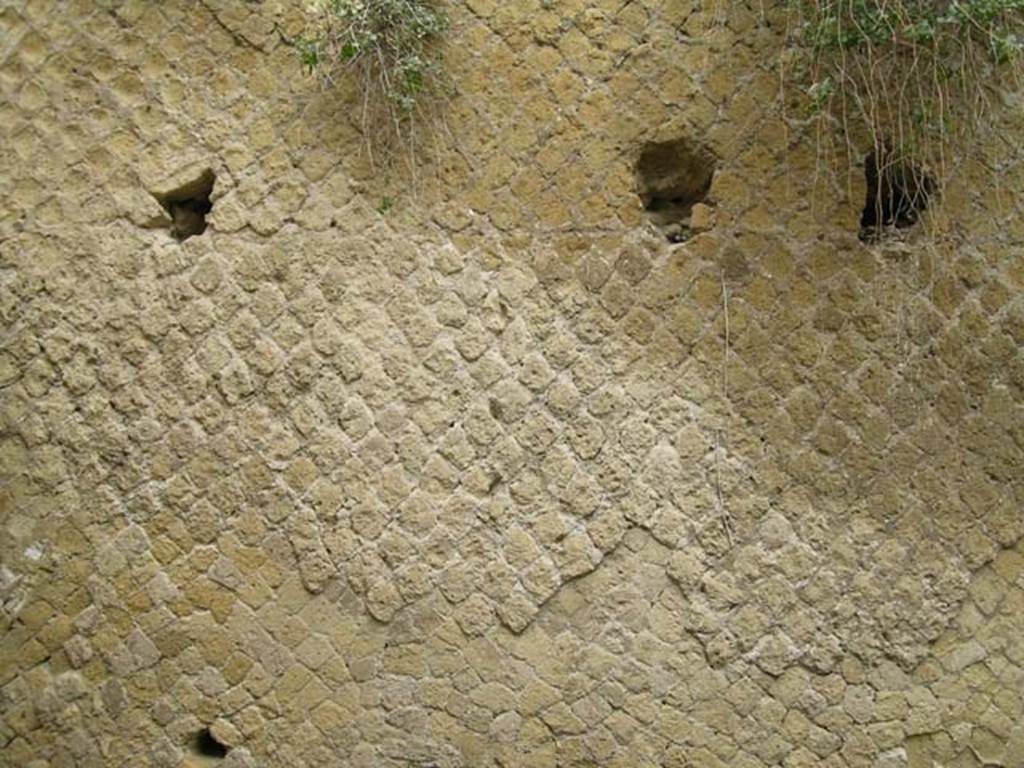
point(672, 177)
point(898, 191)
point(205, 745)
point(188, 205)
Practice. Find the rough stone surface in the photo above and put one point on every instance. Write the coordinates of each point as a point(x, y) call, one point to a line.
point(497, 477)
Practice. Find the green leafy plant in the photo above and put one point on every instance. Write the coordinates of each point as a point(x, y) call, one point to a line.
point(914, 78)
point(390, 49)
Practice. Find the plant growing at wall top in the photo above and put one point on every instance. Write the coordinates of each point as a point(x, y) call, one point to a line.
point(917, 76)
point(389, 48)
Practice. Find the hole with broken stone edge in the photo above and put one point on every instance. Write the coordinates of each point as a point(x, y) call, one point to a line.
point(898, 192)
point(204, 744)
point(672, 178)
point(188, 205)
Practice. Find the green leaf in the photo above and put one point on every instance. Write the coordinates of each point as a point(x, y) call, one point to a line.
point(349, 51)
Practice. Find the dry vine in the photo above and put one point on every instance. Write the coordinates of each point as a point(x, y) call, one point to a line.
point(909, 81)
point(390, 49)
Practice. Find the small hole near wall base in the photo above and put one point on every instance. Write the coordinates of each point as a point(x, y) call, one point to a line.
point(205, 745)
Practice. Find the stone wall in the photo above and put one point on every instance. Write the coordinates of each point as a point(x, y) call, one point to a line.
point(501, 475)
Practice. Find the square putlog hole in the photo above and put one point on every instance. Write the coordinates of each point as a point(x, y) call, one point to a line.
point(898, 192)
point(673, 179)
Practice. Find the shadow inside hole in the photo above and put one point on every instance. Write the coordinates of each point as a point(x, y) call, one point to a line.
point(672, 177)
point(205, 745)
point(898, 192)
point(188, 205)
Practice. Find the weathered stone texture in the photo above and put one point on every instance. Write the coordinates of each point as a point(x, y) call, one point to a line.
point(498, 477)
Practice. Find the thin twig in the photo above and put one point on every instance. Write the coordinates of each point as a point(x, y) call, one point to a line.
point(723, 512)
point(725, 354)
point(917, 78)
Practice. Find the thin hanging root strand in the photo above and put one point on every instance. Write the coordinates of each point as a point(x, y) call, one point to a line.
point(390, 49)
point(723, 510)
point(924, 77)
